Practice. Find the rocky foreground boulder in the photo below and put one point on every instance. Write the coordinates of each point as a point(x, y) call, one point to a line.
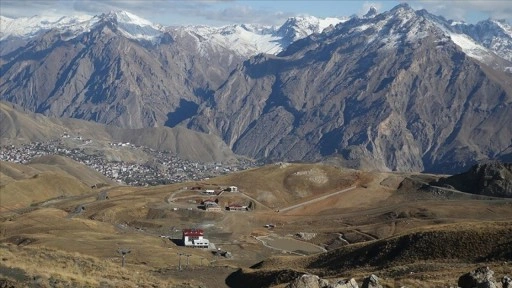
point(313, 281)
point(506, 282)
point(483, 277)
point(371, 281)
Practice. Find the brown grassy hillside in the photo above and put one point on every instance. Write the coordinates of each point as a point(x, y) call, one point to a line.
point(387, 225)
point(45, 178)
point(22, 127)
point(283, 184)
point(426, 250)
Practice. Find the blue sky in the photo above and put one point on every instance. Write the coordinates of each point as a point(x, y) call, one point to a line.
point(223, 12)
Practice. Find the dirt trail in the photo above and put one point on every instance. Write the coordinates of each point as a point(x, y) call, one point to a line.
point(316, 199)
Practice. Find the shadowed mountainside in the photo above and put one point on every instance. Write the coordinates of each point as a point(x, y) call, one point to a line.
point(491, 179)
point(393, 91)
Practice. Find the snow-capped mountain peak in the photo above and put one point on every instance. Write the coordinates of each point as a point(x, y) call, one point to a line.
point(250, 39)
point(128, 18)
point(133, 26)
point(371, 12)
point(482, 41)
point(27, 27)
point(299, 27)
point(494, 35)
point(507, 28)
point(130, 25)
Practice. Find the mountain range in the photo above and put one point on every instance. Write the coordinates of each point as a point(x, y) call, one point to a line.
point(400, 90)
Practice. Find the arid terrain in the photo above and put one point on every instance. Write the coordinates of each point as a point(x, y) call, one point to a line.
point(301, 218)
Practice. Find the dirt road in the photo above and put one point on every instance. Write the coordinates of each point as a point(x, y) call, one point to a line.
point(316, 199)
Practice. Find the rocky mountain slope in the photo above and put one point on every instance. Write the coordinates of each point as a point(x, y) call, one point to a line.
point(119, 69)
point(398, 91)
point(104, 76)
point(493, 34)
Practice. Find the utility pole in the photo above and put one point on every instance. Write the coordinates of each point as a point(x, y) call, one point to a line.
point(179, 261)
point(123, 252)
point(188, 255)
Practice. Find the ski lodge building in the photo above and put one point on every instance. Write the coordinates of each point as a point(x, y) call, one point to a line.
point(194, 238)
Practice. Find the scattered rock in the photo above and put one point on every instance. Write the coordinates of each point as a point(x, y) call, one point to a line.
point(103, 195)
point(305, 281)
point(77, 211)
point(313, 281)
point(344, 284)
point(371, 281)
point(306, 236)
point(481, 277)
point(506, 282)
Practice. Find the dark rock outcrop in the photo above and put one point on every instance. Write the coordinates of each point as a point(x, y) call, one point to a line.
point(481, 277)
point(506, 282)
point(371, 281)
point(490, 179)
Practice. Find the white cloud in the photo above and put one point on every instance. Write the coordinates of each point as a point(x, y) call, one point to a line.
point(463, 10)
point(245, 14)
point(222, 12)
point(216, 12)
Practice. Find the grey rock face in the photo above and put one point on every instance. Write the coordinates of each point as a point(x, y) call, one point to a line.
point(344, 284)
point(313, 281)
point(371, 281)
point(371, 95)
point(103, 76)
point(481, 277)
point(305, 281)
point(493, 34)
point(107, 76)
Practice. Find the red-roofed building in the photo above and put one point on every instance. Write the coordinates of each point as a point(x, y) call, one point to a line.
point(194, 238)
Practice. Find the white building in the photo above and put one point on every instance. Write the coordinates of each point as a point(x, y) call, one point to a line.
point(194, 238)
point(209, 192)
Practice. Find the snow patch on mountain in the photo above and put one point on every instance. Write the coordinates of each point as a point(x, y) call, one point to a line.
point(243, 39)
point(504, 26)
point(248, 40)
point(470, 47)
point(27, 27)
point(296, 28)
point(130, 25)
